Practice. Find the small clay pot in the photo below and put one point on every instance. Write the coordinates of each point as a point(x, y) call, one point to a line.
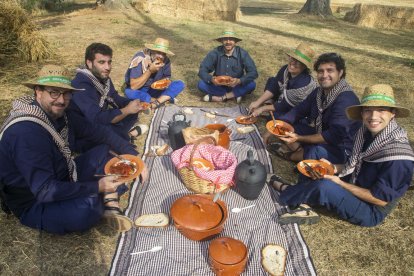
point(227, 256)
point(224, 134)
point(197, 217)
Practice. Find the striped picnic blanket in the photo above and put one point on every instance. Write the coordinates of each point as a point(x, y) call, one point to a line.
point(256, 226)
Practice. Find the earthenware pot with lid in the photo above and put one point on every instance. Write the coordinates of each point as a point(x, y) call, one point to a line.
point(227, 256)
point(224, 134)
point(197, 217)
point(250, 177)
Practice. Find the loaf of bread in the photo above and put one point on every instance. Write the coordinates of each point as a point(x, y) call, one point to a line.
point(152, 220)
point(245, 129)
point(210, 115)
point(274, 259)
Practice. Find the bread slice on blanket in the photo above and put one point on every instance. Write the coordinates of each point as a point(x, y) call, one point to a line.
point(152, 220)
point(274, 259)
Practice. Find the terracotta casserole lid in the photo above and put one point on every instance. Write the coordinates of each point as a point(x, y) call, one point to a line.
point(196, 212)
point(227, 250)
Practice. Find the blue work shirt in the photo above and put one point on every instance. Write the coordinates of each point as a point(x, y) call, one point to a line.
point(136, 72)
point(33, 169)
point(337, 129)
point(272, 85)
point(239, 65)
point(87, 102)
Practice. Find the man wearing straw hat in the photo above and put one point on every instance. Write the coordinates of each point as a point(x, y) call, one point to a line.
point(148, 66)
point(227, 60)
point(329, 133)
point(375, 177)
point(100, 103)
point(291, 85)
point(41, 183)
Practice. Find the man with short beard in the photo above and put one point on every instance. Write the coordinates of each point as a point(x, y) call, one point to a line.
point(232, 62)
point(41, 182)
point(322, 129)
point(100, 103)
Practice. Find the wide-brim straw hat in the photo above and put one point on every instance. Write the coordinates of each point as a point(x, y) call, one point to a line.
point(228, 33)
point(377, 95)
point(54, 76)
point(160, 45)
point(303, 53)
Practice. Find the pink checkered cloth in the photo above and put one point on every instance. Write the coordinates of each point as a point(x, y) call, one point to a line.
point(223, 160)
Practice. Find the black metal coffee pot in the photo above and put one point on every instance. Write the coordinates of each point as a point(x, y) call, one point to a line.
point(175, 127)
point(250, 177)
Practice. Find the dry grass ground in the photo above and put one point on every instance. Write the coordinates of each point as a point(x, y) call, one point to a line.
point(373, 56)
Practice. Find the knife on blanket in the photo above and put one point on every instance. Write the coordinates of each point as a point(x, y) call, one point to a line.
point(311, 171)
point(215, 113)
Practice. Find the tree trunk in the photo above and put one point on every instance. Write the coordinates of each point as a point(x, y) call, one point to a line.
point(317, 7)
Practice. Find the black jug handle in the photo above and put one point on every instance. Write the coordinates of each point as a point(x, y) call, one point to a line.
point(250, 157)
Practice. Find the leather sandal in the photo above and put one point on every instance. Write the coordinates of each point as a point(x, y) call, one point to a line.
point(286, 154)
point(303, 214)
point(114, 217)
point(281, 185)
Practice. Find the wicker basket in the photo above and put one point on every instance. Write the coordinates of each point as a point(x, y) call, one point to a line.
point(195, 183)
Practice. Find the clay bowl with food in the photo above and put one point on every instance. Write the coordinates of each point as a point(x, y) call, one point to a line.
point(246, 120)
point(224, 134)
point(127, 169)
point(321, 168)
point(197, 217)
point(227, 256)
point(223, 80)
point(161, 84)
point(280, 128)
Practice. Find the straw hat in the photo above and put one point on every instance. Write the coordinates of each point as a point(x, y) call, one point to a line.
point(160, 45)
point(52, 75)
point(228, 33)
point(377, 95)
point(304, 53)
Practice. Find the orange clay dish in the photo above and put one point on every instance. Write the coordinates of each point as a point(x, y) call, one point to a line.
point(318, 166)
point(126, 170)
point(161, 84)
point(246, 120)
point(223, 80)
point(280, 128)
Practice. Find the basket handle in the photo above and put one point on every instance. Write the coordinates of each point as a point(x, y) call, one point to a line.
point(198, 142)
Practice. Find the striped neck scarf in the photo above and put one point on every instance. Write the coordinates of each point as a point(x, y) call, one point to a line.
point(340, 87)
point(390, 144)
point(103, 88)
point(295, 96)
point(23, 109)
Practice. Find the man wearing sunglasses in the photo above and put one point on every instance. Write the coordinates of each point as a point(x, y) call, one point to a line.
point(41, 182)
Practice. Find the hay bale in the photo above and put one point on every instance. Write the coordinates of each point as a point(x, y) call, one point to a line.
point(380, 16)
point(19, 35)
point(195, 9)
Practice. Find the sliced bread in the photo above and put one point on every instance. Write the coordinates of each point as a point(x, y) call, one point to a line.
point(245, 129)
point(152, 220)
point(274, 259)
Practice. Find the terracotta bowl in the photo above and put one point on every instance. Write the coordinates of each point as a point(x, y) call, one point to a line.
point(223, 80)
point(227, 256)
point(197, 217)
point(224, 134)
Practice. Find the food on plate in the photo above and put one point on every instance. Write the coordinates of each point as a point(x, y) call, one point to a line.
point(280, 130)
point(152, 220)
point(245, 129)
point(320, 169)
point(188, 110)
point(161, 84)
point(123, 168)
point(246, 119)
point(223, 80)
point(274, 259)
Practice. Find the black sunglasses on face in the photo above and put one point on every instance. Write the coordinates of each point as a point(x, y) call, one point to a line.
point(54, 94)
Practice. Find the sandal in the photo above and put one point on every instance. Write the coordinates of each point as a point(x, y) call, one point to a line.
point(283, 184)
point(114, 217)
point(286, 154)
point(140, 129)
point(303, 214)
point(208, 98)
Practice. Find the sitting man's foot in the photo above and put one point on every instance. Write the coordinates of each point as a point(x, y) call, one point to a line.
point(138, 130)
point(114, 217)
point(211, 98)
point(277, 182)
point(303, 214)
point(238, 100)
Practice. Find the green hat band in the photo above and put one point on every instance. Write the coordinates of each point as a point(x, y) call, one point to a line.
point(302, 55)
point(57, 79)
point(159, 46)
point(374, 97)
point(229, 33)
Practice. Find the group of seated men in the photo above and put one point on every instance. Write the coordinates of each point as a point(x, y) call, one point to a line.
point(49, 189)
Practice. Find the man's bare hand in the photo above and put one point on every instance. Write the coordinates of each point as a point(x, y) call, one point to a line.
point(109, 184)
point(253, 106)
point(234, 82)
point(291, 138)
point(156, 66)
point(133, 107)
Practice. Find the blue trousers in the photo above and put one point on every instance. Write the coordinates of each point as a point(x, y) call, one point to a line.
point(335, 198)
point(238, 90)
point(72, 215)
point(145, 93)
point(334, 153)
